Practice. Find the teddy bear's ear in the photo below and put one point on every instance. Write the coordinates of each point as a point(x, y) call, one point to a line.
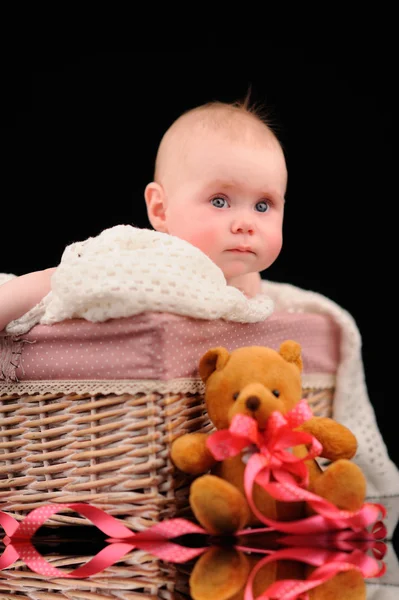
point(215, 358)
point(291, 352)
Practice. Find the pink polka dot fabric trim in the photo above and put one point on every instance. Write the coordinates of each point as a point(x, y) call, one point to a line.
point(165, 346)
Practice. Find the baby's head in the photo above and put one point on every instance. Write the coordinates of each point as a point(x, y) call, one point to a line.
point(219, 183)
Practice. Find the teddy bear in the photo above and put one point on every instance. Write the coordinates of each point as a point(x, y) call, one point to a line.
point(257, 381)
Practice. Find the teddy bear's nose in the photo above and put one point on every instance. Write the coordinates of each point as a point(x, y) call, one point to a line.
point(252, 402)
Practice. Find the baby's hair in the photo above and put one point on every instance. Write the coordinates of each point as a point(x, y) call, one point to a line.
point(218, 116)
point(229, 110)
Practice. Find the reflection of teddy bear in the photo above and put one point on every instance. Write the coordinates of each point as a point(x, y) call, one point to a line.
point(222, 574)
point(257, 381)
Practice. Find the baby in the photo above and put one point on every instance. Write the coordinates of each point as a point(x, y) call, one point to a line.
point(219, 184)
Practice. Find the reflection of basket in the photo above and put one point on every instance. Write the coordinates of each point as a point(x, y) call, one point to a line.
point(138, 577)
point(110, 450)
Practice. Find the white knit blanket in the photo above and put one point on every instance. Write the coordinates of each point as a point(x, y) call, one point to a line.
point(125, 271)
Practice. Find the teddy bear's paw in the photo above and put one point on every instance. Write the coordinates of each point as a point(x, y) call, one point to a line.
point(219, 506)
point(343, 484)
point(219, 573)
point(349, 585)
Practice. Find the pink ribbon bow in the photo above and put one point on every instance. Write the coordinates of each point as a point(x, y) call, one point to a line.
point(273, 443)
point(283, 475)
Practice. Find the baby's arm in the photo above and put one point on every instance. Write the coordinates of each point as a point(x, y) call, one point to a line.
point(20, 294)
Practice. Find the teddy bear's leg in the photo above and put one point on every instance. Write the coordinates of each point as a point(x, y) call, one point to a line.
point(343, 484)
point(219, 506)
point(348, 585)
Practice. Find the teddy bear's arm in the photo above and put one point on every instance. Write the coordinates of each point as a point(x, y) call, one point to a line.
point(191, 455)
point(337, 440)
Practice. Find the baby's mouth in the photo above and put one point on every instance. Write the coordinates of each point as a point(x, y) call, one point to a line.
point(242, 250)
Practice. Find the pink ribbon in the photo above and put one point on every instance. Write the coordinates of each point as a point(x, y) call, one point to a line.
point(290, 475)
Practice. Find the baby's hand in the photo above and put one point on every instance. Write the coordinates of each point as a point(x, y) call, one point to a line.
point(19, 295)
point(248, 284)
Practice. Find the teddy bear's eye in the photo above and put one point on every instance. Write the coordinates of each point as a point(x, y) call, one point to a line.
point(276, 393)
point(235, 396)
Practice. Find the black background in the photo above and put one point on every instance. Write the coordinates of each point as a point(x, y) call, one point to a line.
point(80, 133)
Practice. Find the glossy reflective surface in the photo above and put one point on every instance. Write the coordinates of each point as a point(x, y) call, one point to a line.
point(139, 575)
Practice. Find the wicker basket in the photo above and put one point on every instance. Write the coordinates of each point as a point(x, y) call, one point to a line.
point(109, 450)
point(101, 430)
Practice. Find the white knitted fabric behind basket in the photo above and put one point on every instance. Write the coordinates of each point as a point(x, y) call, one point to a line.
point(352, 406)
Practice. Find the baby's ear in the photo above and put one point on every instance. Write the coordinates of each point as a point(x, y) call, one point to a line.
point(155, 200)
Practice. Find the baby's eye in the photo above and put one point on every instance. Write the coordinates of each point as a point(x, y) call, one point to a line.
point(262, 206)
point(219, 202)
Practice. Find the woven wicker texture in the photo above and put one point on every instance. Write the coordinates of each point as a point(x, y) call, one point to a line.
point(112, 451)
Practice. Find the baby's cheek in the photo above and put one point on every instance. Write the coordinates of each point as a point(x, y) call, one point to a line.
point(203, 238)
point(272, 248)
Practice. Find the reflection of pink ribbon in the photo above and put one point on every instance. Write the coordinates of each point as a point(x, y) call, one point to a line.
point(289, 473)
point(155, 540)
point(346, 539)
point(327, 565)
point(320, 551)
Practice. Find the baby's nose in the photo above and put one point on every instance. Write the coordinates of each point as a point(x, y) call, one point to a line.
point(242, 226)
